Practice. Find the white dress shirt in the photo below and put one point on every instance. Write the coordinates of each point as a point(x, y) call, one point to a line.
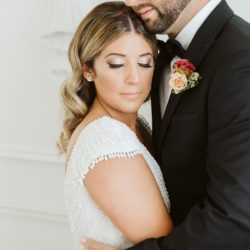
point(184, 37)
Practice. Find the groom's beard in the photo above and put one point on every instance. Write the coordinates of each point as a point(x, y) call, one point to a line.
point(167, 14)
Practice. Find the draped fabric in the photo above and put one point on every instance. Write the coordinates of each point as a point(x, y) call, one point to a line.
point(60, 21)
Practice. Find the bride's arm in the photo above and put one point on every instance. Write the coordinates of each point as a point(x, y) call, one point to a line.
point(127, 192)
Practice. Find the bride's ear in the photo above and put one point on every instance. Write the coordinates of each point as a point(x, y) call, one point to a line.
point(87, 73)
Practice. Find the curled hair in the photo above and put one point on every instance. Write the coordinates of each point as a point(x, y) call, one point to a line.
point(104, 24)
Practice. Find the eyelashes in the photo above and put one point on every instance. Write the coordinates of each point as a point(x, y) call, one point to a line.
point(145, 65)
point(115, 66)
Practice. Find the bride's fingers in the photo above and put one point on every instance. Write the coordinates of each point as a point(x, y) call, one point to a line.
point(90, 245)
point(93, 245)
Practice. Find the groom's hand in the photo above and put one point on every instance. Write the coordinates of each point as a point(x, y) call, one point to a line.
point(94, 245)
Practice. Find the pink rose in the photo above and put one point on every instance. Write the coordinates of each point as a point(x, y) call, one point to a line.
point(184, 65)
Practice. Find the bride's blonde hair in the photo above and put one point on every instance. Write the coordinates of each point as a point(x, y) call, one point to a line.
point(104, 24)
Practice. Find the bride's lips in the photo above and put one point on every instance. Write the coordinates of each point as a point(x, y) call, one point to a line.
point(145, 12)
point(131, 95)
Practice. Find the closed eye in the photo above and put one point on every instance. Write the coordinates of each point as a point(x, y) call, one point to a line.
point(145, 65)
point(115, 66)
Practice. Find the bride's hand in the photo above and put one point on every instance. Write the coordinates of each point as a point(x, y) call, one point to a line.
point(94, 245)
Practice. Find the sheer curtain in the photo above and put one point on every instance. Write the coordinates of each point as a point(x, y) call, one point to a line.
point(60, 21)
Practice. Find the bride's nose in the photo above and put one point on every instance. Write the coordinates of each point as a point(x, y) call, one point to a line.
point(132, 76)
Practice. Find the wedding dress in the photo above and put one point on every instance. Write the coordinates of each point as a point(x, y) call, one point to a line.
point(101, 139)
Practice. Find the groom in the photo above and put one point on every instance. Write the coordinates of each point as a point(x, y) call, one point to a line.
point(202, 135)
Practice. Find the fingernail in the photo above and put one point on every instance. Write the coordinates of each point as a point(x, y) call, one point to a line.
point(83, 240)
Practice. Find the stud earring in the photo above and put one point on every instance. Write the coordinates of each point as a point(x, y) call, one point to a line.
point(89, 78)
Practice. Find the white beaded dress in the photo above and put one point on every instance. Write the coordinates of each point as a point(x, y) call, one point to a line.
point(101, 139)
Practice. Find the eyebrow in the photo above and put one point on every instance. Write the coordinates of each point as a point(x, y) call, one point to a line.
point(146, 54)
point(122, 55)
point(114, 54)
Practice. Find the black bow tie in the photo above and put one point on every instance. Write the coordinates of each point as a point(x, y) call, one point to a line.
point(172, 48)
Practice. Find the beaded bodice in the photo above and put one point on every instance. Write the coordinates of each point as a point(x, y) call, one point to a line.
point(103, 138)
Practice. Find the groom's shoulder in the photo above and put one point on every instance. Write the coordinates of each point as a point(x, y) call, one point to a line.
point(239, 28)
point(235, 36)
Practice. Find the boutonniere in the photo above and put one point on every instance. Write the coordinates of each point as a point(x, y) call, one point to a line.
point(183, 76)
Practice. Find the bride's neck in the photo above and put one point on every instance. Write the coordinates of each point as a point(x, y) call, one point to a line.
point(100, 109)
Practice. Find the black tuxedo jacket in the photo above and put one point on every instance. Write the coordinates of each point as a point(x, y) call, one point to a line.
point(203, 141)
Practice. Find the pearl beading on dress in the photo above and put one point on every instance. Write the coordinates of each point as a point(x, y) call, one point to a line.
point(103, 139)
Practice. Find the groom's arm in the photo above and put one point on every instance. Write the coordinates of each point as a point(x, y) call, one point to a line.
point(223, 221)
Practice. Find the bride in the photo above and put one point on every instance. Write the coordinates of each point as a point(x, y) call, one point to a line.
point(114, 189)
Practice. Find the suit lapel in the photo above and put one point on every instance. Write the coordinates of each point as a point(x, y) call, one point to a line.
point(162, 59)
point(199, 47)
point(208, 33)
point(173, 102)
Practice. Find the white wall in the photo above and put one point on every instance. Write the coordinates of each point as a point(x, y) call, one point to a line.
point(241, 8)
point(32, 212)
